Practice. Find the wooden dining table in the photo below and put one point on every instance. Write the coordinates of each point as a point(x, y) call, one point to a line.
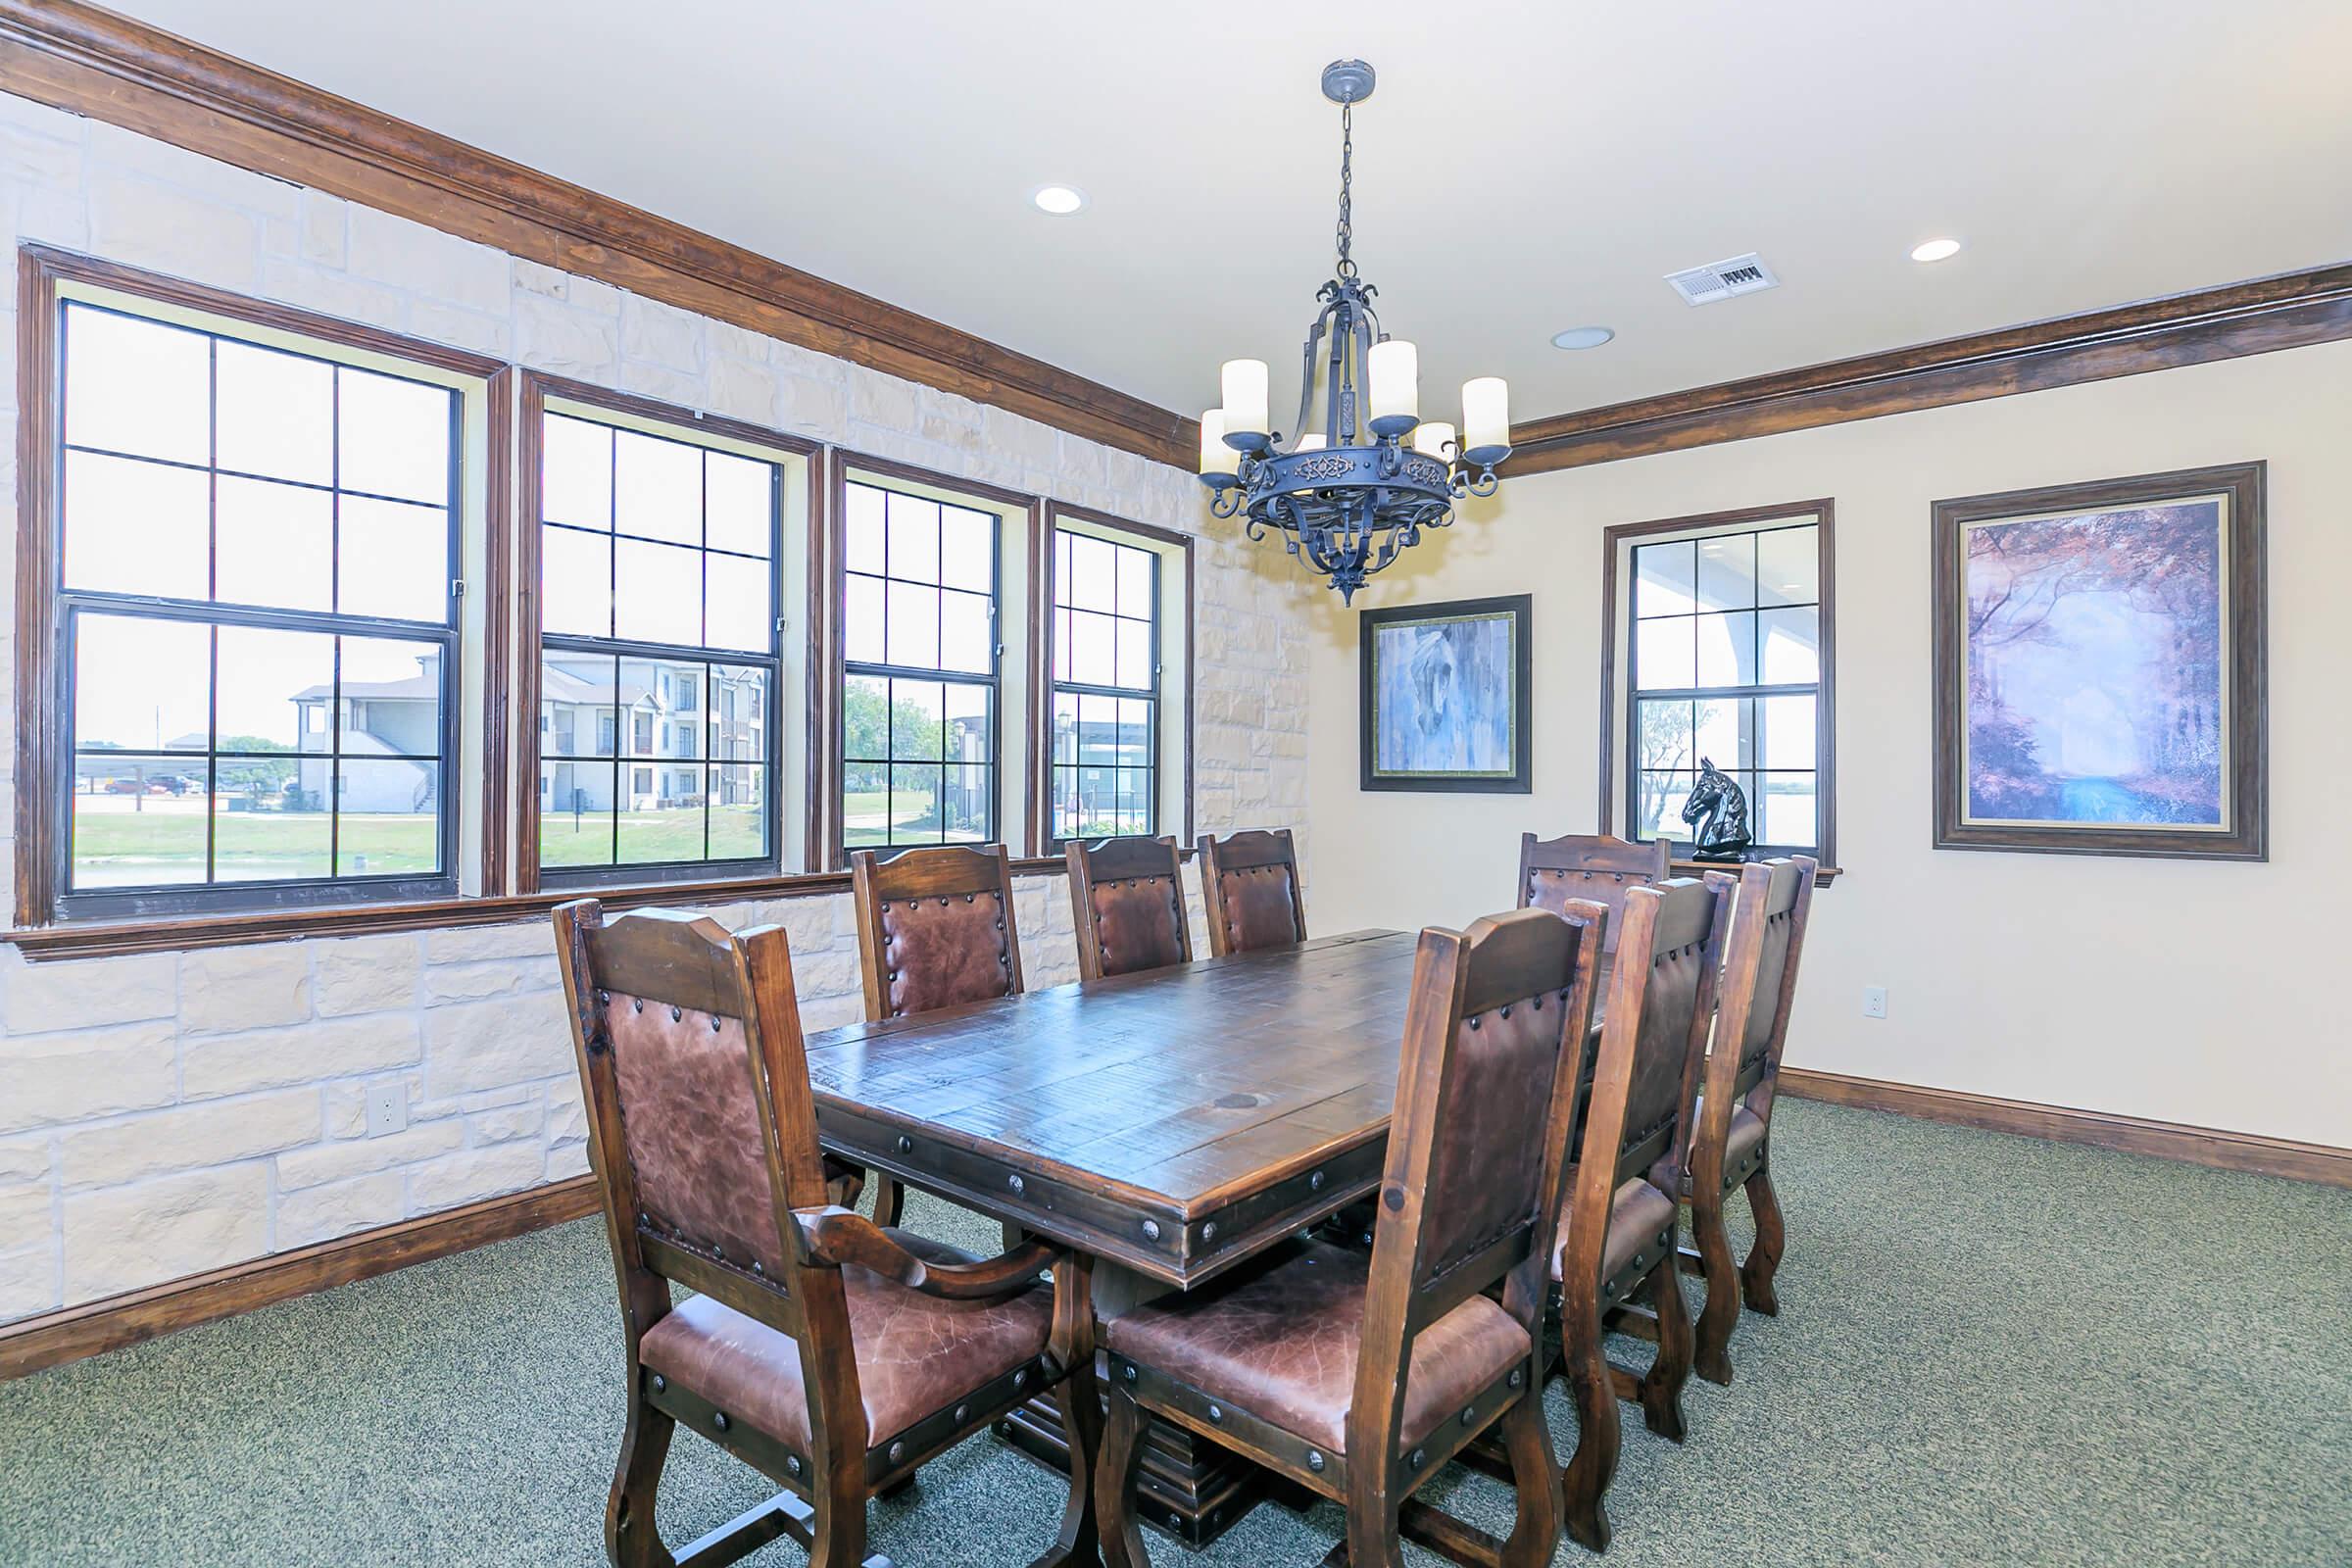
point(1172, 1124)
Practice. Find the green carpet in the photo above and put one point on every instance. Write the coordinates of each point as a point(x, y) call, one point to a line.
point(1991, 1350)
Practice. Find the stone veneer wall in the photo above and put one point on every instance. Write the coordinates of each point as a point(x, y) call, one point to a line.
point(164, 1114)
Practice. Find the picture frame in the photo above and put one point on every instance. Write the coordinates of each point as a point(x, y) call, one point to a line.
point(1445, 700)
point(2099, 657)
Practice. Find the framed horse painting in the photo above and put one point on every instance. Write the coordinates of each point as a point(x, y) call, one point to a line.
point(1446, 697)
point(2100, 667)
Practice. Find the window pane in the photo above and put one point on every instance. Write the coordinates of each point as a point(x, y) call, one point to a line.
point(391, 695)
point(393, 436)
point(914, 538)
point(577, 716)
point(740, 613)
point(739, 505)
point(1727, 572)
point(914, 803)
point(138, 821)
point(1788, 813)
point(661, 812)
point(576, 582)
point(269, 819)
point(277, 545)
point(1725, 732)
point(393, 559)
point(738, 811)
point(277, 693)
point(1093, 575)
point(964, 638)
point(575, 474)
point(1094, 649)
point(1065, 727)
point(138, 387)
point(1788, 739)
point(1664, 657)
point(969, 734)
point(576, 814)
point(1061, 565)
point(862, 619)
point(278, 414)
point(1098, 730)
point(142, 684)
point(967, 549)
point(738, 713)
point(1659, 808)
point(658, 592)
point(664, 700)
point(912, 636)
point(865, 804)
point(1665, 578)
point(1666, 737)
point(1726, 649)
point(1061, 645)
point(1135, 732)
point(1135, 597)
point(917, 708)
point(657, 488)
point(1792, 646)
point(865, 718)
point(1789, 567)
point(386, 821)
point(136, 527)
point(1135, 653)
point(861, 530)
point(965, 807)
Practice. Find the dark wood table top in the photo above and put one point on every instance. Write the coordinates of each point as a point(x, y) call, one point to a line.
point(1175, 1122)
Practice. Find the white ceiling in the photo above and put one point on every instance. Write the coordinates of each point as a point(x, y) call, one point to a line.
point(1522, 168)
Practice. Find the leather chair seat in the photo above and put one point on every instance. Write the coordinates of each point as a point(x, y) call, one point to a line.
point(1746, 1132)
point(1280, 1341)
point(1637, 1211)
point(915, 1353)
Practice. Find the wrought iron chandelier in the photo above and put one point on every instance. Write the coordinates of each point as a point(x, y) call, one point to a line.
point(1352, 496)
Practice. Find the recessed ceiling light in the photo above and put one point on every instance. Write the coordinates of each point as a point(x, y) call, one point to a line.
point(1582, 337)
point(1059, 199)
point(1935, 250)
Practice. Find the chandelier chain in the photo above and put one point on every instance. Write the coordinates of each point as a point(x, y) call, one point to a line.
point(1346, 232)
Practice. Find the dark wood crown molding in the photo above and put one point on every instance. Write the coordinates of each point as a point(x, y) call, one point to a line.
point(94, 62)
point(2290, 309)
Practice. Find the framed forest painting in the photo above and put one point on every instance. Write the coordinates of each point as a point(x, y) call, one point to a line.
point(1446, 696)
point(2100, 667)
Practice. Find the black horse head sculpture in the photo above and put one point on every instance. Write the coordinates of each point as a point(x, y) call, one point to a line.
point(1724, 834)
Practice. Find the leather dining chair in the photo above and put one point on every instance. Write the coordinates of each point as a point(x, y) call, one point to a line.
point(830, 1354)
point(1588, 866)
point(935, 929)
point(1127, 903)
point(1250, 888)
point(1357, 1377)
point(1617, 1238)
point(1732, 1145)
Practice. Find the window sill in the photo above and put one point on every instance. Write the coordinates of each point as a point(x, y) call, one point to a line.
point(1822, 878)
point(106, 939)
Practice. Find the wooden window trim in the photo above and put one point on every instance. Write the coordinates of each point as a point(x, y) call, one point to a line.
point(1041, 840)
point(1823, 514)
point(828, 654)
point(536, 387)
point(41, 271)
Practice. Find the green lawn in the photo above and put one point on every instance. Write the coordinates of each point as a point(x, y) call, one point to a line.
point(164, 844)
point(649, 836)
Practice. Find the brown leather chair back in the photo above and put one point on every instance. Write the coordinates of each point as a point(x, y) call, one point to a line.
point(703, 1130)
point(935, 928)
point(1759, 981)
point(1661, 1006)
point(1588, 866)
point(1127, 903)
point(1250, 887)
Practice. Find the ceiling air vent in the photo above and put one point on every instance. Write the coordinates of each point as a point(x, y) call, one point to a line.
point(1741, 274)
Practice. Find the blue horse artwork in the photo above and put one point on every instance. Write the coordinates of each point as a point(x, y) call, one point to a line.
point(1446, 700)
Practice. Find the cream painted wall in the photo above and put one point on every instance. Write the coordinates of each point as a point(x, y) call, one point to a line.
point(2184, 991)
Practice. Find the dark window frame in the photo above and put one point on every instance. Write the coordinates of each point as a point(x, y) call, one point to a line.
point(48, 618)
point(534, 641)
point(1619, 759)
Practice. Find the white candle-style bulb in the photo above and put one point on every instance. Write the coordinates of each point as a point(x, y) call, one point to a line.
point(1244, 384)
point(1394, 370)
point(1215, 456)
point(1432, 437)
point(1486, 412)
point(1312, 441)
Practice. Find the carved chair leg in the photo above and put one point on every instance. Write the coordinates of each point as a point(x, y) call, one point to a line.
point(630, 1538)
point(1536, 1531)
point(1763, 1259)
point(1585, 1365)
point(1661, 1389)
point(890, 1200)
point(1721, 1314)
point(1122, 1458)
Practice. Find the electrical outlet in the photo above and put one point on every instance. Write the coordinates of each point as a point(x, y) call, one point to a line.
point(1874, 1002)
point(388, 1108)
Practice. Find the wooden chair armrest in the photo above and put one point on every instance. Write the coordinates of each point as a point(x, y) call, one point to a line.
point(839, 1235)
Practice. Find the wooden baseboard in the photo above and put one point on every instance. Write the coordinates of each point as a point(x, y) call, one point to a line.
point(2166, 1140)
point(109, 1324)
